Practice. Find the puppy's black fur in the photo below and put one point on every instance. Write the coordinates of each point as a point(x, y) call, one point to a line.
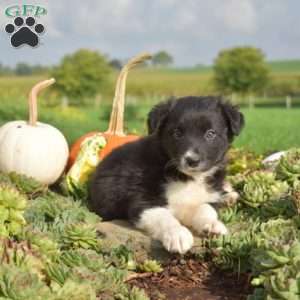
point(134, 177)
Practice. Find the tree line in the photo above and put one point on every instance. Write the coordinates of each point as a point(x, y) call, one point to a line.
point(240, 71)
point(159, 59)
point(23, 69)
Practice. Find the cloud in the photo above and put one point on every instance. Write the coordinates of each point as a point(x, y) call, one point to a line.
point(239, 15)
point(192, 30)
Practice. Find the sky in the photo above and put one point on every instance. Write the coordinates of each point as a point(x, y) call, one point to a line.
point(193, 31)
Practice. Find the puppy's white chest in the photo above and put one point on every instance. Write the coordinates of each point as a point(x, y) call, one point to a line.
point(185, 197)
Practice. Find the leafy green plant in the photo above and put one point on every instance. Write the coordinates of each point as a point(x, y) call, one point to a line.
point(150, 265)
point(26, 185)
point(12, 206)
point(80, 236)
point(58, 254)
point(261, 187)
point(21, 284)
point(296, 195)
point(241, 161)
point(123, 258)
point(288, 168)
point(264, 227)
point(57, 273)
point(279, 271)
point(74, 290)
point(233, 252)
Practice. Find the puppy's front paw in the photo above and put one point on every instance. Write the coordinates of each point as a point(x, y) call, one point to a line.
point(231, 198)
point(178, 239)
point(215, 227)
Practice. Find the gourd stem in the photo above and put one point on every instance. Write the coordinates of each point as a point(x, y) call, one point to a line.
point(116, 121)
point(32, 100)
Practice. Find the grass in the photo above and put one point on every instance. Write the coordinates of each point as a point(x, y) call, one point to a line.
point(288, 65)
point(266, 130)
point(270, 129)
point(169, 82)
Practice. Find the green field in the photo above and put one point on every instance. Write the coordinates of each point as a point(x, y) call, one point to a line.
point(270, 129)
point(266, 130)
point(269, 126)
point(292, 65)
point(159, 82)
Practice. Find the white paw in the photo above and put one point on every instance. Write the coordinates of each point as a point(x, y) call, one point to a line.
point(230, 198)
point(216, 227)
point(178, 239)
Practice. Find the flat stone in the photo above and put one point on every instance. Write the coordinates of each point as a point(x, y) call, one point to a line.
point(119, 232)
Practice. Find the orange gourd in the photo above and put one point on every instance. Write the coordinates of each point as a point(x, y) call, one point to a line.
point(115, 135)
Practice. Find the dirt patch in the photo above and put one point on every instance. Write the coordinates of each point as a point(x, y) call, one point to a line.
point(189, 279)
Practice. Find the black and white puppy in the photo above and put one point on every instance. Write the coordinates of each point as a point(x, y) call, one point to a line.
point(164, 183)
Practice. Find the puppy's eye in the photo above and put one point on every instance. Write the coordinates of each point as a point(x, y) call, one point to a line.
point(177, 133)
point(210, 135)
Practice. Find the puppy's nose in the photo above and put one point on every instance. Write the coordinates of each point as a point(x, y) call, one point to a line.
point(192, 160)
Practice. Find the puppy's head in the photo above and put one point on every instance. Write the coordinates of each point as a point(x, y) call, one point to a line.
point(195, 132)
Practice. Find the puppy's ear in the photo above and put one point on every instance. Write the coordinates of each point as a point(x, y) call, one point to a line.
point(158, 115)
point(235, 119)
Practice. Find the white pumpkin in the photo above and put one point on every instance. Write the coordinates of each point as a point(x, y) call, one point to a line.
point(32, 148)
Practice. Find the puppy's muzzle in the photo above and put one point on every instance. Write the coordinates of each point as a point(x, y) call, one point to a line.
point(192, 159)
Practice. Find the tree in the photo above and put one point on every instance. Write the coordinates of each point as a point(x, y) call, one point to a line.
point(81, 75)
point(241, 70)
point(23, 69)
point(162, 58)
point(4, 70)
point(116, 64)
point(40, 69)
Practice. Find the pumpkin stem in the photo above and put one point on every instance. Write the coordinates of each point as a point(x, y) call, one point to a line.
point(116, 121)
point(32, 101)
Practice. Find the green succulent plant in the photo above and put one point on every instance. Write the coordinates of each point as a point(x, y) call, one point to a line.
point(134, 294)
point(288, 168)
point(73, 290)
point(52, 212)
point(71, 258)
point(80, 235)
point(296, 196)
point(232, 252)
point(229, 214)
point(261, 187)
point(12, 198)
point(12, 206)
point(150, 266)
point(284, 284)
point(279, 231)
point(95, 261)
point(123, 258)
point(57, 272)
point(43, 243)
point(4, 179)
point(21, 284)
point(241, 161)
point(278, 267)
point(57, 255)
point(26, 185)
point(21, 255)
